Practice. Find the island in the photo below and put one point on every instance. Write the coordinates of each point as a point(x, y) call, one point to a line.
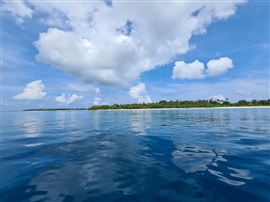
point(169, 104)
point(185, 104)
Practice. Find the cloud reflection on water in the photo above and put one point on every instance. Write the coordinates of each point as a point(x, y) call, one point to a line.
point(140, 121)
point(140, 155)
point(32, 125)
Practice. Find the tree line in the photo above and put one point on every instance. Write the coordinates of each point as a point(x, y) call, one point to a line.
point(185, 104)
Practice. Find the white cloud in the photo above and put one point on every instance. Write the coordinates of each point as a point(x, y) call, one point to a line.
point(192, 70)
point(136, 91)
point(96, 100)
point(104, 103)
point(196, 70)
point(83, 88)
point(240, 92)
point(32, 91)
point(150, 39)
point(139, 92)
point(219, 67)
point(56, 19)
point(147, 99)
point(67, 99)
point(215, 97)
point(18, 9)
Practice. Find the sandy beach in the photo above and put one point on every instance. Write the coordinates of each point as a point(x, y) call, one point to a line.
point(244, 107)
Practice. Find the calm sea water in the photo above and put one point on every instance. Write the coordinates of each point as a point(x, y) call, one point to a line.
point(137, 155)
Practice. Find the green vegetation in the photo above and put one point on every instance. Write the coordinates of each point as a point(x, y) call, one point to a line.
point(171, 104)
point(54, 109)
point(185, 104)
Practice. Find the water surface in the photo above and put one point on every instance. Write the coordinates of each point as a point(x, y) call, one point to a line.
point(136, 155)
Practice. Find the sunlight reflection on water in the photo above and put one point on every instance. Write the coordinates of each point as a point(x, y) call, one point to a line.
point(137, 155)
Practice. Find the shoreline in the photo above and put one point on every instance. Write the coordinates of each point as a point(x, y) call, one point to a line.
point(193, 108)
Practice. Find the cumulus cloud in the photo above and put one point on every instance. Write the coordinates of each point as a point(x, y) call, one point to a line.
point(139, 92)
point(217, 97)
point(18, 9)
point(67, 99)
point(147, 99)
point(32, 91)
point(219, 67)
point(83, 88)
point(196, 70)
point(240, 92)
point(96, 100)
point(192, 70)
point(129, 44)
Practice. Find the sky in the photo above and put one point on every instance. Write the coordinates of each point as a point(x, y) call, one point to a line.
point(84, 53)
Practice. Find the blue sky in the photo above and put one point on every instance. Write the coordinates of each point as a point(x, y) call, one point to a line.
point(79, 54)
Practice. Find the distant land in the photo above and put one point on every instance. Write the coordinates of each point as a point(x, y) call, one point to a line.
point(186, 104)
point(170, 104)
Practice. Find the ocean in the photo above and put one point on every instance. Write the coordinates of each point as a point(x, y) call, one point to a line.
point(136, 155)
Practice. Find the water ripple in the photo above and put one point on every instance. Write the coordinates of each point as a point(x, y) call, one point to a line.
point(144, 155)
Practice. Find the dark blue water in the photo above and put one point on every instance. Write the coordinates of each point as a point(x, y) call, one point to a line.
point(138, 155)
